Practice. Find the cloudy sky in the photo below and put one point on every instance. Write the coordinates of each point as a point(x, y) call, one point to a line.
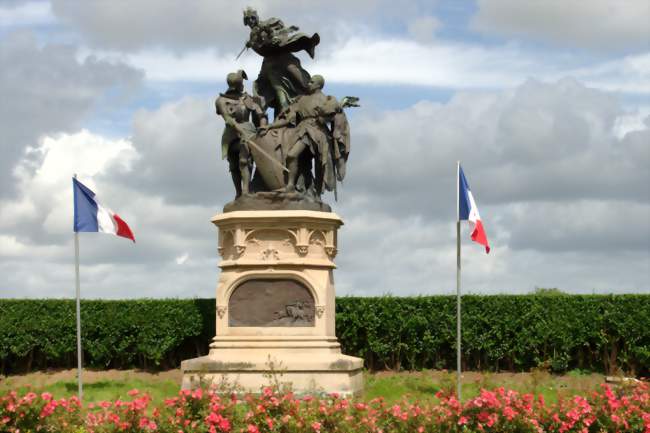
point(545, 102)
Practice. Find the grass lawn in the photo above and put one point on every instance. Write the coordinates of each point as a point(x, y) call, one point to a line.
point(422, 385)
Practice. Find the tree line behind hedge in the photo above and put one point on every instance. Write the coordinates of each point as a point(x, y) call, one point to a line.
point(505, 332)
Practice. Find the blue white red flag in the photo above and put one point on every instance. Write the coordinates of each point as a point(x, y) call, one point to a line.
point(91, 216)
point(467, 210)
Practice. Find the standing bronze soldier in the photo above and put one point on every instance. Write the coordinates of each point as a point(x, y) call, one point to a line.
point(320, 128)
point(237, 107)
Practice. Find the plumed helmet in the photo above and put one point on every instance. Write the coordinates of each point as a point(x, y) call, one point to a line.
point(249, 15)
point(236, 78)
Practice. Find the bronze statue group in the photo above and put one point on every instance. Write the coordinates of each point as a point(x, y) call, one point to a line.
point(309, 129)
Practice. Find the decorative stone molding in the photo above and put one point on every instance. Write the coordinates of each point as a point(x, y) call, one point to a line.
point(320, 309)
point(228, 284)
point(301, 235)
point(255, 238)
point(331, 251)
point(221, 311)
point(270, 253)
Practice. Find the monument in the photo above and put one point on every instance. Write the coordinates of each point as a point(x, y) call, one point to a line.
point(275, 303)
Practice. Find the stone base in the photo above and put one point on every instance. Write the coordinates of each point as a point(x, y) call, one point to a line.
point(275, 304)
point(277, 200)
point(307, 365)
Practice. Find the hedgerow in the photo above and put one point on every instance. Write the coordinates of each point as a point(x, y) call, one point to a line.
point(598, 332)
point(116, 334)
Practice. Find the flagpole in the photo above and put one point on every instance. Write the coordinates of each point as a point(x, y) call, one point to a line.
point(458, 320)
point(78, 290)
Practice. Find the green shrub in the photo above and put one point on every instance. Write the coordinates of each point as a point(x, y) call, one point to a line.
point(560, 332)
point(595, 332)
point(117, 334)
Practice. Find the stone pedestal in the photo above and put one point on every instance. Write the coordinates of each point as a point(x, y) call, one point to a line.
point(275, 306)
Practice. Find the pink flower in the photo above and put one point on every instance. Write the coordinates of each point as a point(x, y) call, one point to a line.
point(213, 418)
point(133, 392)
point(146, 423)
point(171, 401)
point(30, 397)
point(316, 426)
point(252, 429)
point(509, 413)
point(224, 425)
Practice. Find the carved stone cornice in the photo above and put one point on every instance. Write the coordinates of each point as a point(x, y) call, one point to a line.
point(282, 237)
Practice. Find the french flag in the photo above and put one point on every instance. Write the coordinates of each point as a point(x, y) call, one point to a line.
point(91, 216)
point(467, 210)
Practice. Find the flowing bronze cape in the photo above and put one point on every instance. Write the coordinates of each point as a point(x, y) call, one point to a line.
point(271, 37)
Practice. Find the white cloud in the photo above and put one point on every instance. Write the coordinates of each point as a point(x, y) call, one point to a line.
point(398, 62)
point(163, 65)
point(635, 120)
point(423, 28)
point(174, 25)
point(10, 246)
point(84, 153)
point(26, 14)
point(546, 161)
point(43, 206)
point(182, 259)
point(553, 163)
point(629, 74)
point(45, 90)
point(594, 24)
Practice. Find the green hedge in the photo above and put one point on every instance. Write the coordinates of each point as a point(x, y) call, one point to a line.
point(116, 334)
point(600, 333)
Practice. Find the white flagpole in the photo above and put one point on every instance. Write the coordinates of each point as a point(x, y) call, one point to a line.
point(78, 290)
point(458, 322)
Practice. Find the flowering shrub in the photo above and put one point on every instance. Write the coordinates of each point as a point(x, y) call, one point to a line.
point(624, 410)
point(41, 413)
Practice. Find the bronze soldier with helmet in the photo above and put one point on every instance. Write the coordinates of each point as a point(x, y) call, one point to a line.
point(242, 114)
point(320, 128)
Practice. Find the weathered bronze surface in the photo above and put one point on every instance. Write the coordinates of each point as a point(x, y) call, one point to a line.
point(237, 107)
point(271, 302)
point(304, 151)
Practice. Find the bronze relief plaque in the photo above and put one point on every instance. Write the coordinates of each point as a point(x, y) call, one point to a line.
point(271, 302)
